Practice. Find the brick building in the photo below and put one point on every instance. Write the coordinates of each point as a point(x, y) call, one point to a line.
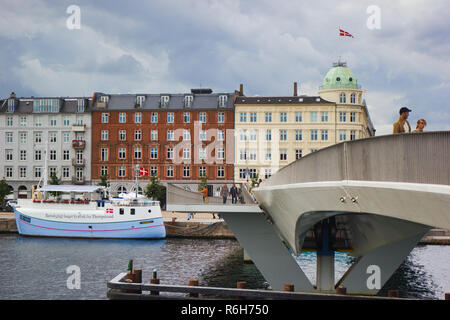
point(178, 137)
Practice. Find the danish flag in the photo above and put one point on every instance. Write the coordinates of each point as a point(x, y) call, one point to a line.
point(343, 33)
point(109, 210)
point(143, 172)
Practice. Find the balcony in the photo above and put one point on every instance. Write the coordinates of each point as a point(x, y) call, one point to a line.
point(78, 180)
point(78, 162)
point(78, 144)
point(78, 127)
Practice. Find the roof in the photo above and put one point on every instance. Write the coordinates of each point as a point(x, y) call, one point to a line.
point(69, 188)
point(339, 77)
point(307, 100)
point(24, 105)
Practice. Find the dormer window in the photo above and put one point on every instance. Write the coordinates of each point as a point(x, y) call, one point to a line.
point(338, 79)
point(104, 99)
point(140, 100)
point(81, 103)
point(164, 101)
point(223, 99)
point(11, 105)
point(188, 101)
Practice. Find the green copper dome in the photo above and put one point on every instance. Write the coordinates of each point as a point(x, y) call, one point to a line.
point(339, 77)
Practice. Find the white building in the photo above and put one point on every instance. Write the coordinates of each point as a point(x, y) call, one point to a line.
point(30, 126)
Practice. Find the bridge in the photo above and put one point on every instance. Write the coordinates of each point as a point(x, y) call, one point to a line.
point(376, 197)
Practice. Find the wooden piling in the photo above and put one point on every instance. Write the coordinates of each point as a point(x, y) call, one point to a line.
point(341, 290)
point(447, 296)
point(193, 283)
point(154, 281)
point(289, 287)
point(393, 293)
point(137, 278)
point(241, 285)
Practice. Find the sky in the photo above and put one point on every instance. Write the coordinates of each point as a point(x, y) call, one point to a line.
point(400, 53)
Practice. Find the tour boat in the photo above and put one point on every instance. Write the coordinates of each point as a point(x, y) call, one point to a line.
point(127, 216)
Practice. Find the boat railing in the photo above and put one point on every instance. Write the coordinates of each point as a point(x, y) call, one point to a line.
point(63, 201)
point(133, 203)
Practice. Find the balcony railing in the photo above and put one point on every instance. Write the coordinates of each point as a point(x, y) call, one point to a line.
point(78, 127)
point(78, 180)
point(78, 144)
point(78, 162)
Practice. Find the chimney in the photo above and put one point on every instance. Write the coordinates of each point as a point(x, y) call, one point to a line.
point(12, 95)
point(241, 90)
point(295, 89)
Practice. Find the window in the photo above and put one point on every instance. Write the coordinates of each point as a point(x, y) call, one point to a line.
point(313, 150)
point(342, 98)
point(268, 116)
point(298, 154)
point(298, 135)
point(203, 117)
point(223, 100)
point(342, 116)
point(52, 154)
point(170, 135)
point(23, 137)
point(66, 154)
point(352, 134)
point(65, 172)
point(137, 117)
point(46, 105)
point(9, 136)
point(9, 155)
point(202, 153)
point(253, 117)
point(220, 135)
point(9, 172)
point(268, 135)
point(23, 155)
point(253, 135)
point(314, 116)
point(324, 116)
point(154, 117)
point(186, 117)
point(66, 121)
point(11, 104)
point(140, 100)
point(313, 135)
point(154, 134)
point(188, 101)
point(122, 135)
point(122, 117)
point(38, 137)
point(187, 153)
point(164, 101)
point(243, 154)
point(137, 135)
point(66, 136)
point(9, 121)
point(52, 136)
point(220, 117)
point(268, 154)
point(122, 153)
point(122, 171)
point(138, 153)
point(79, 174)
point(186, 171)
point(243, 117)
point(283, 154)
point(352, 116)
point(22, 172)
point(352, 98)
point(23, 121)
point(243, 135)
point(298, 116)
point(104, 154)
point(104, 171)
point(79, 121)
point(154, 171)
point(283, 117)
point(202, 135)
point(186, 134)
point(170, 153)
point(252, 173)
point(37, 172)
point(121, 211)
point(170, 117)
point(37, 155)
point(104, 135)
point(242, 173)
point(220, 172)
point(252, 154)
point(170, 172)
point(104, 99)
point(221, 153)
point(324, 134)
point(267, 173)
point(153, 153)
point(283, 135)
point(342, 135)
point(52, 121)
point(37, 121)
point(202, 171)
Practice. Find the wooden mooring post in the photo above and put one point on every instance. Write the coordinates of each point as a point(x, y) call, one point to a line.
point(193, 283)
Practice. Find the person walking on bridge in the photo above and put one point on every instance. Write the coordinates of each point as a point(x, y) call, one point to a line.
point(402, 124)
point(224, 193)
point(421, 123)
point(234, 194)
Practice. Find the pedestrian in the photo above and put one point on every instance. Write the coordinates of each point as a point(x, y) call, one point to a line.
point(204, 191)
point(224, 193)
point(189, 216)
point(402, 124)
point(421, 123)
point(241, 196)
point(234, 193)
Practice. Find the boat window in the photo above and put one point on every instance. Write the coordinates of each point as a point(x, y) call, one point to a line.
point(121, 211)
point(132, 211)
point(149, 210)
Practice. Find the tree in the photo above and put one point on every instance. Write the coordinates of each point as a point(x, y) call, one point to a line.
point(4, 190)
point(54, 180)
point(156, 190)
point(203, 182)
point(104, 183)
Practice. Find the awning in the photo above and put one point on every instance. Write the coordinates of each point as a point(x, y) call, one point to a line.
point(69, 188)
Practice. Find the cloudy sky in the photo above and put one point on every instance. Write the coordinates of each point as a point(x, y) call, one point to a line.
point(172, 46)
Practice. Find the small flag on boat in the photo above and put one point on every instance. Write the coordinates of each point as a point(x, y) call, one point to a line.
point(110, 210)
point(343, 33)
point(143, 172)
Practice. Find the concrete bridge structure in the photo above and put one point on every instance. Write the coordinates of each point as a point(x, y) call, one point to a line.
point(376, 197)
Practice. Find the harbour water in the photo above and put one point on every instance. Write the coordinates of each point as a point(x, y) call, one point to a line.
point(36, 268)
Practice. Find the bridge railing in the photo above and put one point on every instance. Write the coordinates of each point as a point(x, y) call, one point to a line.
point(414, 158)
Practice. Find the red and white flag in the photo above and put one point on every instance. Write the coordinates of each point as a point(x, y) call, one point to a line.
point(143, 172)
point(109, 210)
point(343, 33)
